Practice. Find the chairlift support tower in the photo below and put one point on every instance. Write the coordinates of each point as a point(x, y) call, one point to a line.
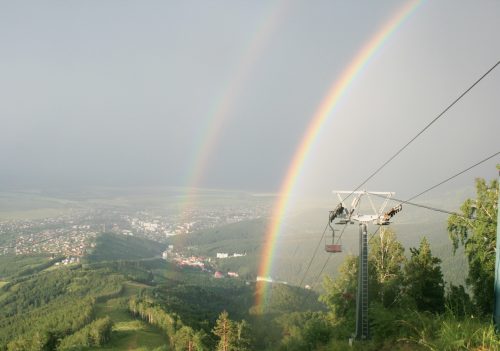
point(349, 216)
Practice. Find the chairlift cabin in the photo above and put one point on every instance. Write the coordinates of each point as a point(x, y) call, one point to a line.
point(333, 248)
point(386, 217)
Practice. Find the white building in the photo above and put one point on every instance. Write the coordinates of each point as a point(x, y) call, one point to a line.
point(265, 279)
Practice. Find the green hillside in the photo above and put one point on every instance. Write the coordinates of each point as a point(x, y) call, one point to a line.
point(111, 247)
point(298, 240)
point(88, 306)
point(245, 236)
point(129, 333)
point(124, 296)
point(11, 265)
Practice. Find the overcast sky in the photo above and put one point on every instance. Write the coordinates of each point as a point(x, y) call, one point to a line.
point(123, 92)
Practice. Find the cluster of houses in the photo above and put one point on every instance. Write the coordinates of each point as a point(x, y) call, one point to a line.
point(191, 261)
point(219, 275)
point(199, 262)
point(68, 260)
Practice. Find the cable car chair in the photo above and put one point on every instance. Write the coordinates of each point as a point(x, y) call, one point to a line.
point(335, 247)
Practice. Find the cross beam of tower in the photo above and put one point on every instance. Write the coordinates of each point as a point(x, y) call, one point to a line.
point(343, 214)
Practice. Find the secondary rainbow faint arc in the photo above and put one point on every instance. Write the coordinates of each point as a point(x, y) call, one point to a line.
point(325, 110)
point(224, 104)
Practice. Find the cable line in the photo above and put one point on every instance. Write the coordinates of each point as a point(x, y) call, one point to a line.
point(453, 176)
point(403, 202)
point(434, 209)
point(316, 251)
point(326, 263)
point(417, 205)
point(425, 128)
point(404, 147)
point(314, 254)
point(317, 278)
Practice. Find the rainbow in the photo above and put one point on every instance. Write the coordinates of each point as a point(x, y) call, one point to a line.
point(233, 87)
point(325, 110)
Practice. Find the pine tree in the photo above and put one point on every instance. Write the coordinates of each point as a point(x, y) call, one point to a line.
point(225, 329)
point(243, 336)
point(424, 280)
point(184, 339)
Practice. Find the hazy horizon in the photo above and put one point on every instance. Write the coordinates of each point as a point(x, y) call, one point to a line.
point(218, 95)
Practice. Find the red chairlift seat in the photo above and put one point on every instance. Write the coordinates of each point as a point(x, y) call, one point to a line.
point(333, 248)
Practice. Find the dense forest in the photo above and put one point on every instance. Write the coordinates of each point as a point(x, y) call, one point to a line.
point(124, 297)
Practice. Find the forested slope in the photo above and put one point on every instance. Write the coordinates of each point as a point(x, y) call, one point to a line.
point(110, 247)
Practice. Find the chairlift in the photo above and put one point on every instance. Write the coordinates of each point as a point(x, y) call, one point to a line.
point(334, 247)
point(341, 213)
point(385, 218)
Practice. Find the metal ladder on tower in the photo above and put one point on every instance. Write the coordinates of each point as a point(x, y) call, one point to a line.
point(362, 324)
point(364, 282)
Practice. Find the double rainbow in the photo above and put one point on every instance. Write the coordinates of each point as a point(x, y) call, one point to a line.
point(224, 104)
point(325, 110)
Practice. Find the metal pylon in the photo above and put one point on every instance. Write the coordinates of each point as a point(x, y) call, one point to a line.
point(347, 216)
point(362, 325)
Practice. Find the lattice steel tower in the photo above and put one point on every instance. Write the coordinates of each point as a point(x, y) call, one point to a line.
point(349, 216)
